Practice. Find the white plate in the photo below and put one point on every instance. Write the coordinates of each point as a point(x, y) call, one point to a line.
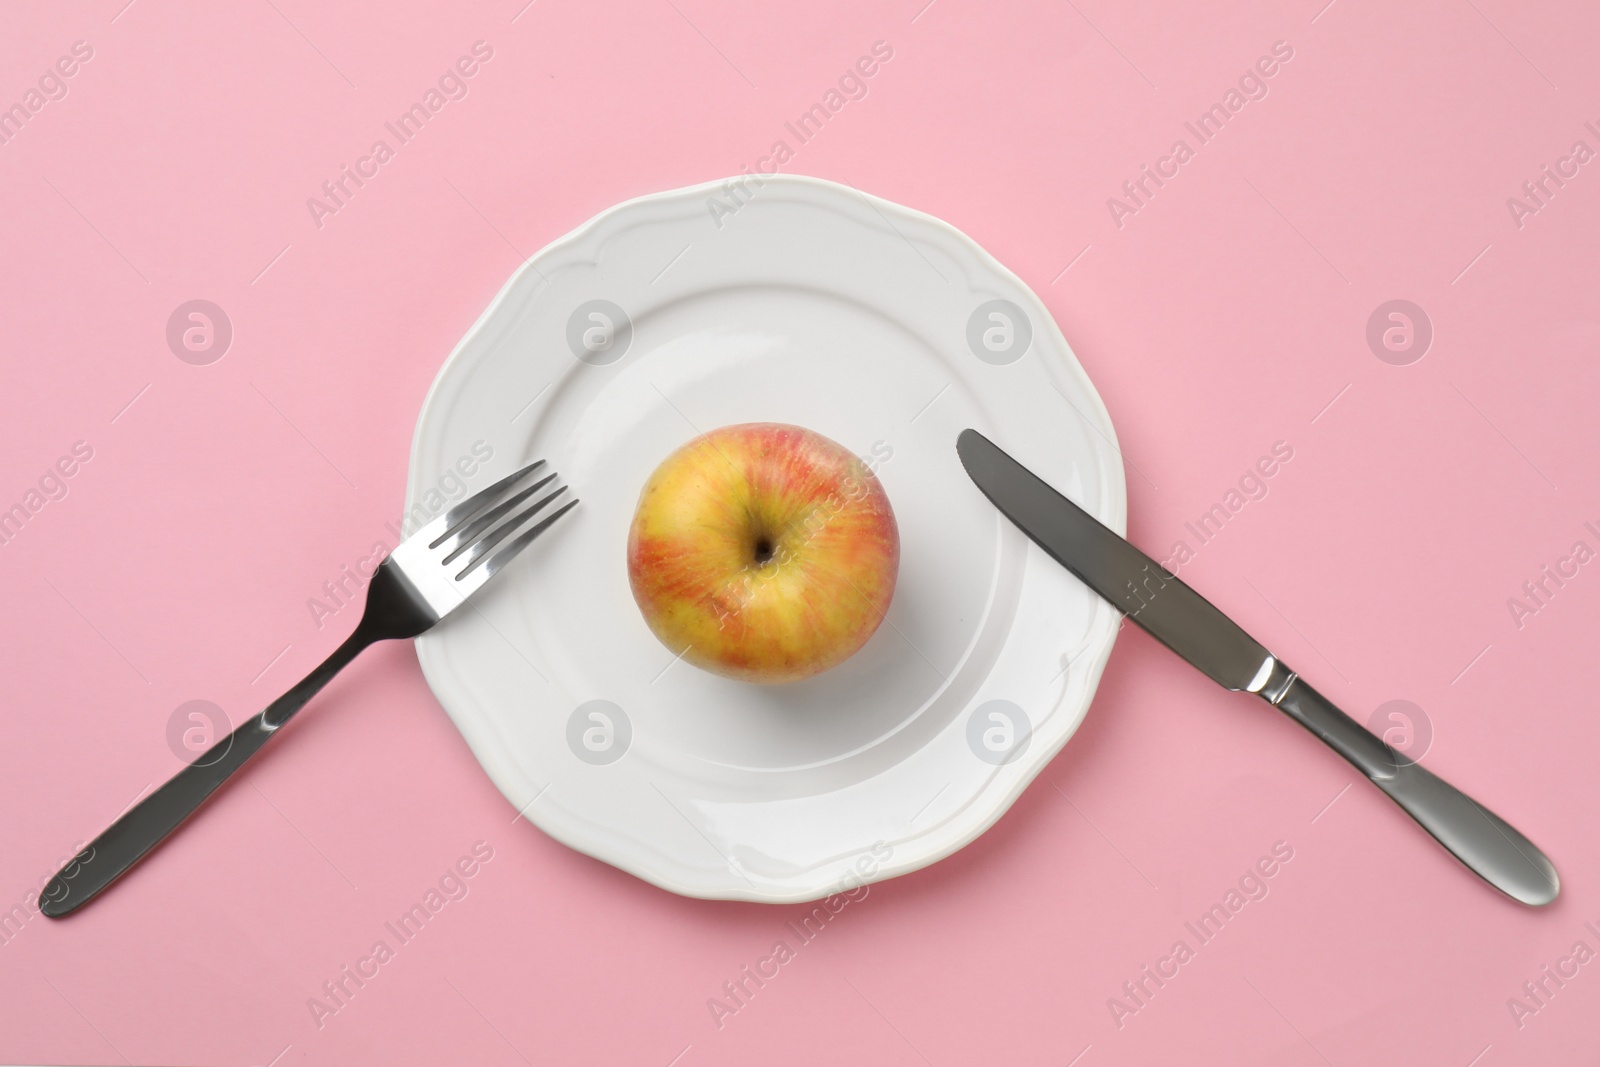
point(810, 304)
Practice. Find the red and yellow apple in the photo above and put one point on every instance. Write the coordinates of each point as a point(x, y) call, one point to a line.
point(763, 552)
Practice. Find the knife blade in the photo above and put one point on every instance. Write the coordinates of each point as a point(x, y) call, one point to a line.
point(1189, 624)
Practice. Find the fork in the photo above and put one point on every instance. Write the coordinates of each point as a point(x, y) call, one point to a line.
point(426, 577)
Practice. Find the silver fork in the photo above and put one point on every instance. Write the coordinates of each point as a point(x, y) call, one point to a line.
point(429, 575)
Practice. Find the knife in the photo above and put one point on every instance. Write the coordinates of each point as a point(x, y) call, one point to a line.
point(1195, 629)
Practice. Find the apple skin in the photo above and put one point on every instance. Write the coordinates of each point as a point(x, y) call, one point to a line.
point(763, 552)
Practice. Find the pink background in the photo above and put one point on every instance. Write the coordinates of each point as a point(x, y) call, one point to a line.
point(1227, 314)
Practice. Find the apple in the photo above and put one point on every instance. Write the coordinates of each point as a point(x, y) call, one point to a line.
point(763, 552)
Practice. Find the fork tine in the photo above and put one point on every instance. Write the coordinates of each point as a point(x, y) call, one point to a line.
point(488, 541)
point(523, 540)
point(466, 534)
point(462, 512)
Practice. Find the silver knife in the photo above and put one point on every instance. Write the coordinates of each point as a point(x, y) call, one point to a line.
point(1191, 626)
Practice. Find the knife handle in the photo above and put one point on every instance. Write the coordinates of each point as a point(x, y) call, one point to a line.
point(150, 821)
point(1475, 835)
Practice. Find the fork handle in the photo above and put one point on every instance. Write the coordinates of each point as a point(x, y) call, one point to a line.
point(149, 822)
